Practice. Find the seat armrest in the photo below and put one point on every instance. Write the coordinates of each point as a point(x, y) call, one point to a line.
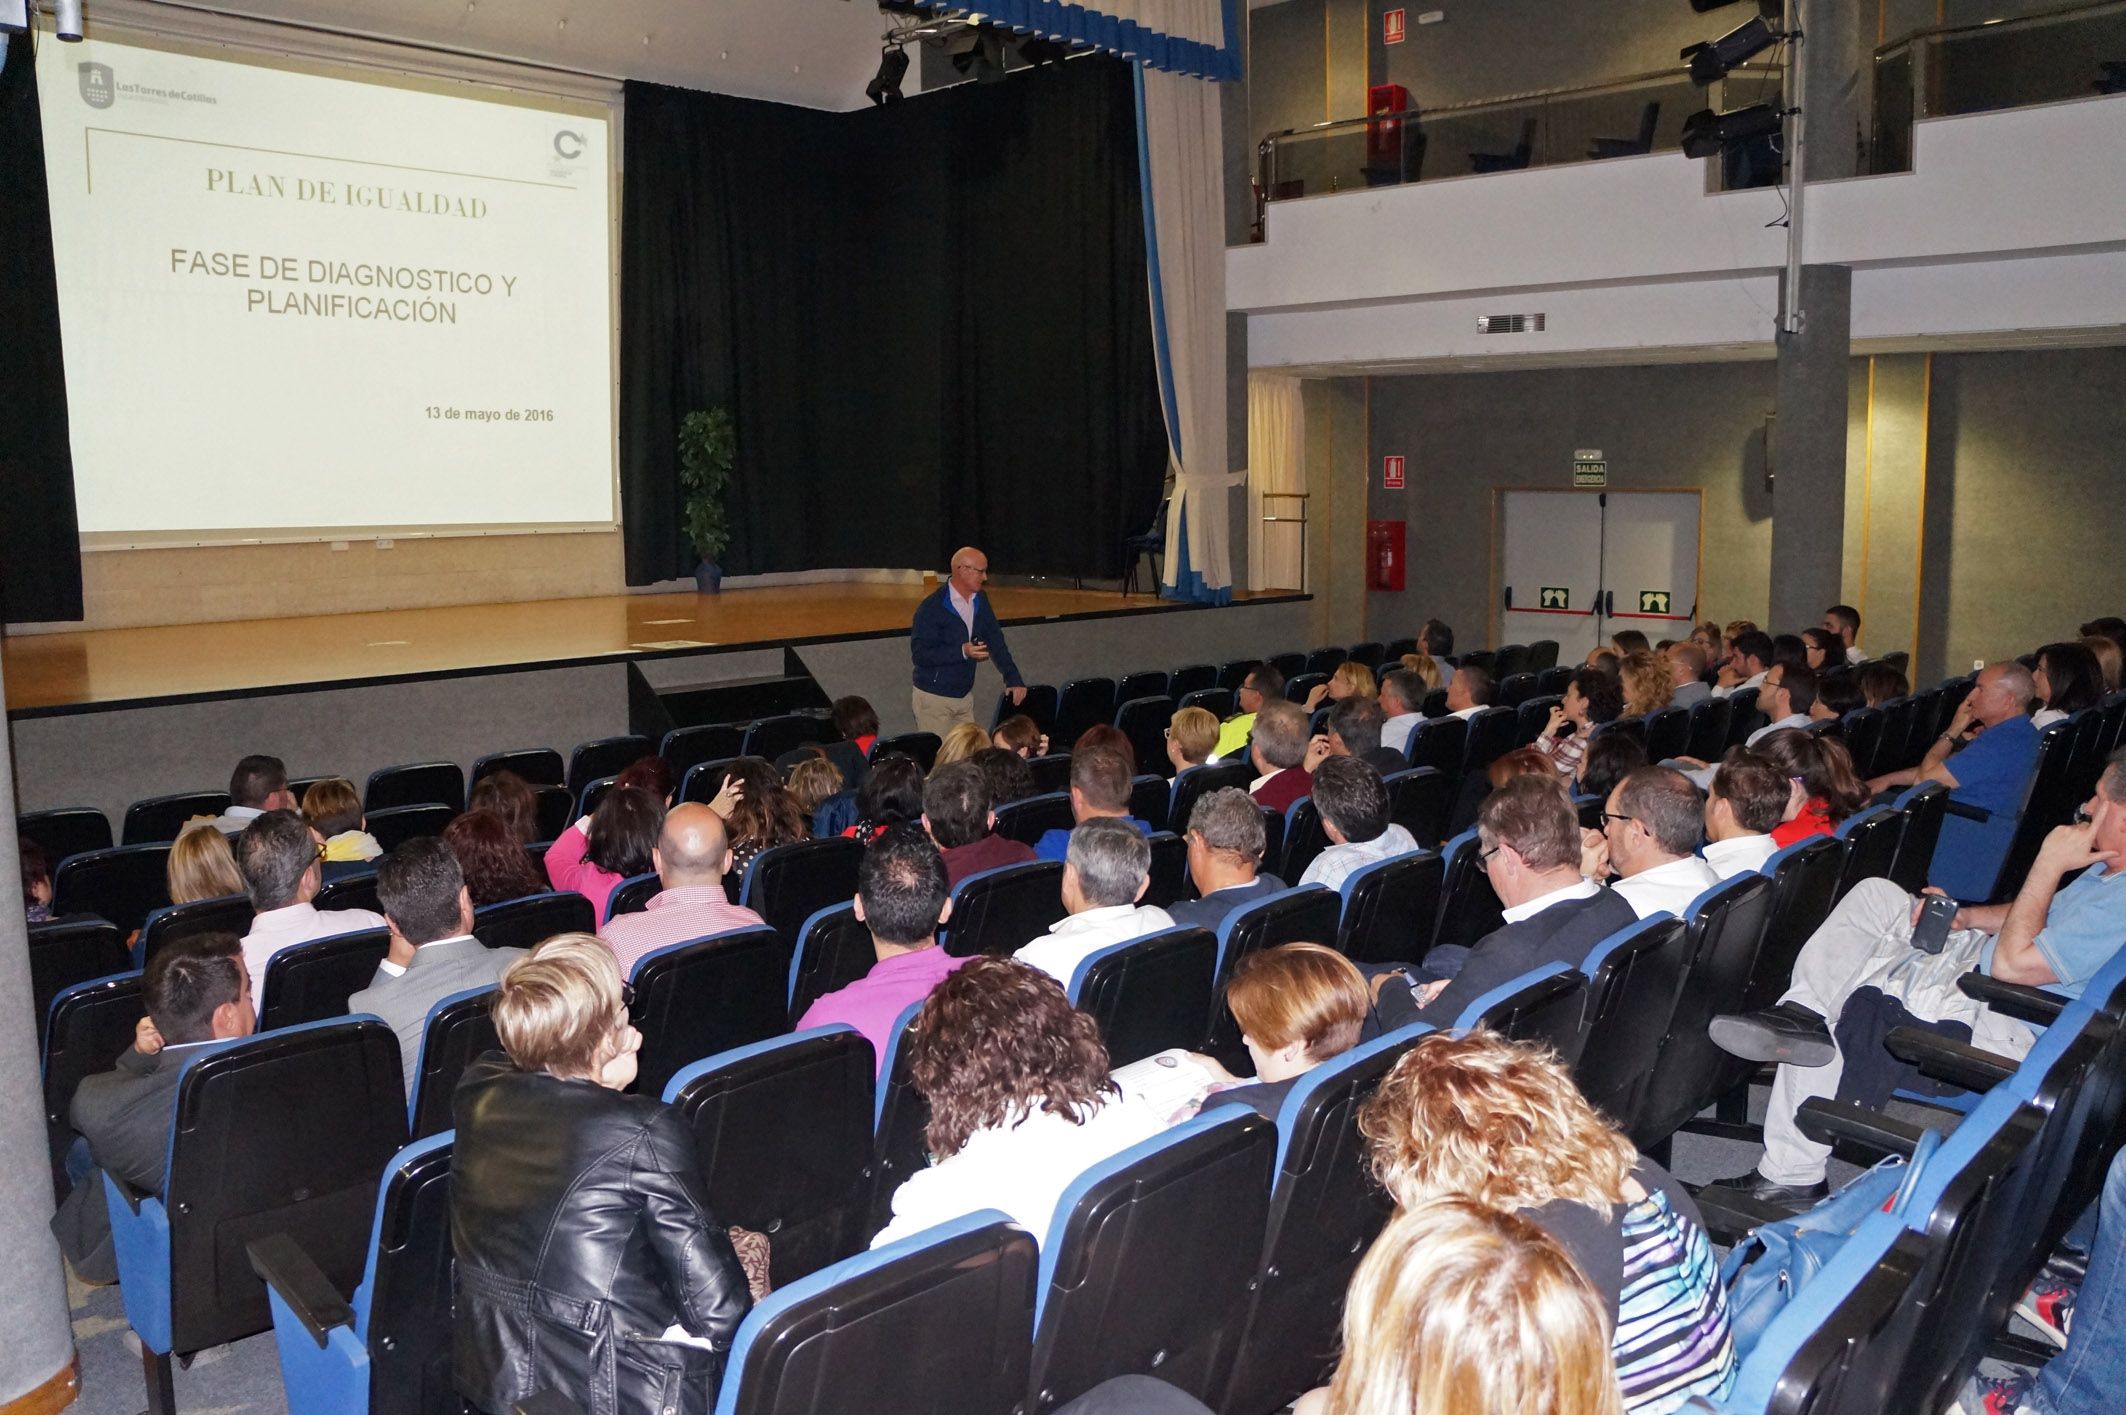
point(2025, 1004)
point(1954, 1063)
point(1731, 1214)
point(1843, 1123)
point(1967, 812)
point(310, 1296)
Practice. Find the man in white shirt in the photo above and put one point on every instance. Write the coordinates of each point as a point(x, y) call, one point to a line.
point(258, 785)
point(1686, 667)
point(1354, 815)
point(1402, 694)
point(1749, 655)
point(1747, 800)
point(1787, 694)
point(1105, 873)
point(1844, 621)
point(1650, 826)
point(1469, 692)
point(277, 854)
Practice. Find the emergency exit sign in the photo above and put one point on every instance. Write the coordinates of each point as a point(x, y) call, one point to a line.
point(1588, 467)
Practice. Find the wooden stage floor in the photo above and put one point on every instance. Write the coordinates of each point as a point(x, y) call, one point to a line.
point(72, 671)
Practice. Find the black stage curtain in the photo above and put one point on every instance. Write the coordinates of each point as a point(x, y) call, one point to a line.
point(40, 550)
point(929, 322)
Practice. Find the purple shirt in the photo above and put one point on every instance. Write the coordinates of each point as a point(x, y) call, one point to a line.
point(874, 1002)
point(673, 916)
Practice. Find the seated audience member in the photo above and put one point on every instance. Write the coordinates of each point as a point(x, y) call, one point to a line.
point(1190, 737)
point(1591, 699)
point(334, 810)
point(962, 741)
point(1881, 682)
point(813, 782)
point(509, 796)
point(202, 866)
point(2055, 935)
point(1350, 680)
point(1020, 1100)
point(1498, 1122)
point(650, 773)
point(1470, 691)
point(2067, 679)
point(1787, 696)
point(2109, 626)
point(1521, 761)
point(1427, 668)
point(1530, 842)
point(1279, 753)
point(277, 856)
point(568, 1195)
point(960, 818)
point(1686, 675)
point(1651, 826)
point(496, 867)
point(1459, 1309)
point(1104, 875)
point(1354, 815)
point(1009, 778)
point(1985, 757)
point(1264, 684)
point(857, 721)
point(1823, 651)
point(1099, 789)
point(1021, 736)
point(1649, 683)
point(609, 845)
point(1298, 1005)
point(1736, 628)
point(892, 794)
point(1844, 621)
point(1790, 649)
point(1604, 661)
point(1608, 760)
point(258, 785)
point(1353, 730)
point(1110, 738)
point(1708, 640)
point(1837, 693)
point(902, 897)
point(1825, 790)
point(1475, 788)
point(690, 857)
point(758, 814)
point(1746, 802)
point(1225, 839)
point(1749, 654)
point(1626, 642)
point(433, 953)
point(37, 879)
point(1435, 639)
point(1402, 701)
point(196, 991)
point(2109, 658)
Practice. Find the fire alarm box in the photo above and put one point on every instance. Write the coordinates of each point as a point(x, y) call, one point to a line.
point(1384, 555)
point(1384, 137)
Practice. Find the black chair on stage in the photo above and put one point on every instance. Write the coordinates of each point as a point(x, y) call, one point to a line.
point(1149, 683)
point(530, 921)
point(1149, 797)
point(921, 747)
point(1136, 547)
point(833, 950)
point(788, 884)
point(1150, 993)
point(227, 913)
point(64, 952)
point(782, 1131)
point(1638, 145)
point(1513, 161)
point(632, 895)
point(1143, 720)
point(1002, 910)
point(65, 830)
point(709, 995)
point(123, 884)
point(1418, 801)
point(1389, 908)
point(1194, 783)
point(608, 756)
point(311, 982)
point(460, 1027)
point(396, 825)
point(1668, 734)
point(1469, 907)
point(1168, 882)
point(1084, 702)
point(1028, 820)
point(350, 892)
point(684, 747)
point(414, 784)
point(1040, 705)
point(160, 818)
point(539, 766)
point(769, 737)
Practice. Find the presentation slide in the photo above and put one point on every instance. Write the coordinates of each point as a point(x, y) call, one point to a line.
point(295, 302)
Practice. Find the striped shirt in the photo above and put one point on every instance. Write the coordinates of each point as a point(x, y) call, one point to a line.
point(1673, 1339)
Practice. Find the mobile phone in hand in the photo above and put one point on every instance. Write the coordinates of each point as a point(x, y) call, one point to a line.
point(1932, 930)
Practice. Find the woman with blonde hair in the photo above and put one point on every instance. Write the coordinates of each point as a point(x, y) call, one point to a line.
point(1649, 686)
point(2108, 658)
point(962, 741)
point(1350, 680)
point(1298, 1005)
point(1191, 737)
point(334, 810)
point(1501, 1123)
point(1427, 668)
point(202, 866)
point(1462, 1310)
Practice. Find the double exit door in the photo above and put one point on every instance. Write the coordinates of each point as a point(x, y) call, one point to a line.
point(1577, 566)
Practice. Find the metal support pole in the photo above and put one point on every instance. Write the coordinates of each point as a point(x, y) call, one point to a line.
point(1790, 311)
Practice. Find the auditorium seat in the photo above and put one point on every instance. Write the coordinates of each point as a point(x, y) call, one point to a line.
point(948, 1310)
point(1040, 705)
point(64, 952)
point(1194, 678)
point(1492, 733)
point(1167, 882)
point(685, 747)
point(608, 756)
point(707, 995)
point(162, 817)
point(299, 786)
point(921, 747)
point(539, 766)
point(1709, 723)
point(1542, 655)
point(1150, 683)
point(834, 949)
point(228, 913)
point(1144, 721)
point(1304, 840)
point(1440, 744)
point(1306, 914)
point(1514, 691)
point(88, 1025)
point(1863, 741)
point(65, 830)
point(782, 1130)
point(311, 982)
point(1289, 665)
point(1743, 718)
point(1147, 1266)
point(1002, 910)
point(1083, 703)
point(1632, 977)
point(123, 884)
point(415, 784)
point(1633, 727)
point(592, 793)
point(1372, 654)
point(632, 895)
point(1870, 838)
point(396, 825)
point(1050, 773)
point(898, 1145)
point(532, 920)
point(1418, 801)
point(769, 737)
point(1543, 1005)
point(1325, 660)
point(1397, 648)
point(350, 892)
point(1551, 681)
point(1193, 783)
point(460, 1028)
point(1150, 993)
point(1234, 674)
point(1149, 797)
point(704, 779)
point(1469, 907)
point(1668, 734)
point(337, 1097)
point(788, 884)
point(1299, 685)
point(1218, 702)
point(383, 1344)
point(1531, 717)
point(1388, 909)
point(1028, 820)
point(555, 810)
point(1723, 927)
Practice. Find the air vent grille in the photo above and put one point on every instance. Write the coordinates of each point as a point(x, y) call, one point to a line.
point(1509, 324)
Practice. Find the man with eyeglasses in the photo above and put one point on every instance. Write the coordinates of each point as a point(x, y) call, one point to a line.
point(954, 630)
point(1651, 825)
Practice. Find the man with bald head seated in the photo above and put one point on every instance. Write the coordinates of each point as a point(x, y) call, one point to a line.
point(690, 857)
point(954, 630)
point(1985, 758)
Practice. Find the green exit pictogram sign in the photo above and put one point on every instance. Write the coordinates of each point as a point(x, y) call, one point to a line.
point(1653, 601)
point(1555, 597)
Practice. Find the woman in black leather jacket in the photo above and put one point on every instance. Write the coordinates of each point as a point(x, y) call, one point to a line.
point(588, 1261)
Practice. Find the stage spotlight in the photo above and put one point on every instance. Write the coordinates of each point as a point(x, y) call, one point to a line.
point(1707, 134)
point(885, 88)
point(66, 20)
point(983, 60)
point(1712, 60)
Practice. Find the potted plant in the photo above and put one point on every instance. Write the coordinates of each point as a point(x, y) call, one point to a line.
point(707, 446)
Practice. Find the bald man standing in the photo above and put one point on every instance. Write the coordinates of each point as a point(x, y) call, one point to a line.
point(954, 630)
point(690, 856)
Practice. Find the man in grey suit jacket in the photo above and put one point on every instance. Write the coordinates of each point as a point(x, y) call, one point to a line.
point(433, 953)
point(197, 991)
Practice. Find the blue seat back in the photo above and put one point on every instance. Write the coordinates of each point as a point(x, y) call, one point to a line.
point(1002, 910)
point(123, 884)
point(1632, 980)
point(1724, 926)
point(532, 920)
point(226, 913)
point(1028, 820)
point(402, 1309)
point(898, 1147)
point(312, 982)
point(1389, 907)
point(1469, 907)
point(460, 1027)
point(788, 884)
point(1543, 1005)
point(707, 995)
point(1149, 993)
point(833, 950)
point(632, 895)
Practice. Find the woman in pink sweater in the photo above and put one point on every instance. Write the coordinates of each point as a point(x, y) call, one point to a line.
point(607, 846)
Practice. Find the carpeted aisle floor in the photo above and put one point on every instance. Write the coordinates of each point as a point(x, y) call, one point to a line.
point(243, 1378)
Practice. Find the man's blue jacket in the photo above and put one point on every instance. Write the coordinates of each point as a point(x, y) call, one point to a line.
point(936, 641)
